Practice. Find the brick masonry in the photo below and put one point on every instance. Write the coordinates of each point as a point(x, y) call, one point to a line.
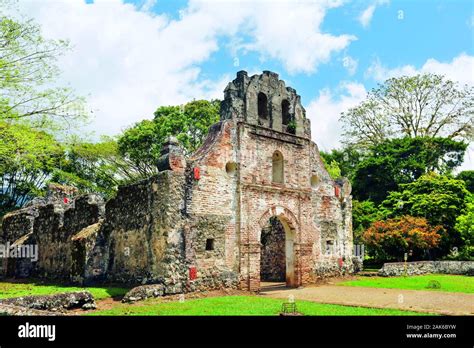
point(198, 223)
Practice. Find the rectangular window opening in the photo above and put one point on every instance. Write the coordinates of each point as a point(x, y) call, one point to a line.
point(329, 247)
point(209, 244)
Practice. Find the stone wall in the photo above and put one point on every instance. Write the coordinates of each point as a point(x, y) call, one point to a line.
point(427, 267)
point(50, 226)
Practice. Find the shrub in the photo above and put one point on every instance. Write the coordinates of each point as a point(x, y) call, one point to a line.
point(390, 239)
point(433, 284)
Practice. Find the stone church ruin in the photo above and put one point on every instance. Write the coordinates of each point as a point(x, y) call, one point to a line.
point(254, 203)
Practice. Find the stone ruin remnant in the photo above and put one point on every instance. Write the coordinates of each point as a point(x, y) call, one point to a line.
point(198, 223)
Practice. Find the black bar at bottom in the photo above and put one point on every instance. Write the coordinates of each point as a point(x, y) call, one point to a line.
point(244, 331)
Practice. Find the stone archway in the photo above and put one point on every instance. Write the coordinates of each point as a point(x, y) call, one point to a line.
point(289, 223)
point(251, 250)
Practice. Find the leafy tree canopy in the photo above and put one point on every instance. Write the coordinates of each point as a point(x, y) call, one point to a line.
point(424, 105)
point(27, 158)
point(364, 213)
point(28, 72)
point(142, 143)
point(332, 167)
point(468, 177)
point(91, 167)
point(347, 160)
point(391, 239)
point(393, 162)
point(465, 222)
point(439, 199)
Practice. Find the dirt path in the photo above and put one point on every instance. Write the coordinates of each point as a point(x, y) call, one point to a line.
point(448, 303)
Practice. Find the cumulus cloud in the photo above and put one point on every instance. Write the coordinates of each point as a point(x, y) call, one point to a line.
point(325, 110)
point(127, 60)
point(461, 69)
point(366, 16)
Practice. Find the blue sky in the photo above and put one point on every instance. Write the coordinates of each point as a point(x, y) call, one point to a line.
point(130, 56)
point(399, 33)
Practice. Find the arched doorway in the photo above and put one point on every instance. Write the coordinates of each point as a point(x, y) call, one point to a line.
point(251, 248)
point(277, 252)
point(277, 237)
point(272, 252)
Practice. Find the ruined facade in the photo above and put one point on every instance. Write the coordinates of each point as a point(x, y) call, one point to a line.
point(198, 223)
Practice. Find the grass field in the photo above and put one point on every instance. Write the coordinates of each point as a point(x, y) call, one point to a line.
point(240, 305)
point(450, 283)
point(8, 290)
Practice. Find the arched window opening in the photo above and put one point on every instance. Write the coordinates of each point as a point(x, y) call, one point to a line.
point(285, 112)
point(262, 105)
point(314, 181)
point(277, 167)
point(231, 168)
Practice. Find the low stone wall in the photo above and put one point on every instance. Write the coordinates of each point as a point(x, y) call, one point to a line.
point(427, 267)
point(143, 292)
point(331, 267)
point(56, 302)
point(11, 310)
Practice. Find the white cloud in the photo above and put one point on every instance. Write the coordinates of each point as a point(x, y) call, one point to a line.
point(350, 64)
point(148, 5)
point(460, 69)
point(128, 61)
point(366, 16)
point(325, 111)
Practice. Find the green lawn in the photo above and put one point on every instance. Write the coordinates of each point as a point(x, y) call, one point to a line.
point(240, 305)
point(8, 290)
point(451, 283)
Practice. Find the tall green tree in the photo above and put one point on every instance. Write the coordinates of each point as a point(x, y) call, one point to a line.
point(347, 159)
point(364, 213)
point(468, 177)
point(93, 167)
point(332, 167)
point(440, 199)
point(465, 227)
point(27, 159)
point(399, 161)
point(142, 143)
point(28, 73)
point(425, 105)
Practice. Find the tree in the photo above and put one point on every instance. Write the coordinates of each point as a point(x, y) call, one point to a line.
point(424, 105)
point(389, 164)
point(27, 73)
point(439, 199)
point(364, 213)
point(465, 227)
point(92, 167)
point(468, 177)
point(391, 239)
point(27, 159)
point(142, 143)
point(333, 168)
point(346, 158)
